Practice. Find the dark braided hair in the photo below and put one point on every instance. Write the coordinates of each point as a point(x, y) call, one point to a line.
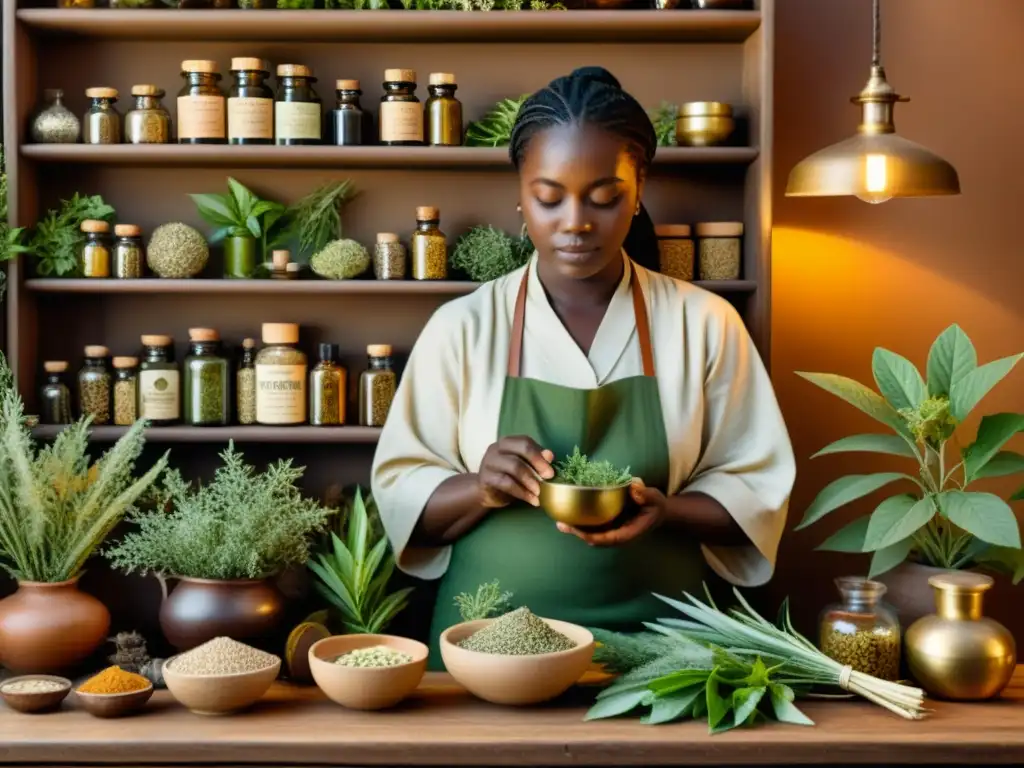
point(592, 95)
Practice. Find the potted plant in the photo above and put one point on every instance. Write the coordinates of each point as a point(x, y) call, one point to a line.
point(938, 520)
point(223, 542)
point(56, 507)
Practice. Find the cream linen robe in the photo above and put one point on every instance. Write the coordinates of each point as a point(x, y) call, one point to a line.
point(726, 435)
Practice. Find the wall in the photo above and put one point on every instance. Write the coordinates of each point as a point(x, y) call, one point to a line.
point(849, 276)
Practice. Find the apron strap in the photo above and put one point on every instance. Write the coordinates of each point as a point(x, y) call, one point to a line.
point(643, 327)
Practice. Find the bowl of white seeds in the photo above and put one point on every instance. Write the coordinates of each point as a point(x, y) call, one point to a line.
point(367, 671)
point(34, 693)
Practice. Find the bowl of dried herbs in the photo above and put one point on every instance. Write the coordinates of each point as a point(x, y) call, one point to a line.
point(585, 493)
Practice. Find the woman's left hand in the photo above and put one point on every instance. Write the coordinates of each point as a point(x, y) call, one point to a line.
point(651, 513)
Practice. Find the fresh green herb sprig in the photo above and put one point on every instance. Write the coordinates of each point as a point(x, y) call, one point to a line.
point(664, 119)
point(494, 129)
point(487, 602)
point(11, 238)
point(577, 469)
point(485, 253)
point(57, 238)
point(296, 4)
point(317, 216)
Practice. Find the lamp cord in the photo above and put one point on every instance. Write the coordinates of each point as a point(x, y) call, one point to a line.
point(876, 19)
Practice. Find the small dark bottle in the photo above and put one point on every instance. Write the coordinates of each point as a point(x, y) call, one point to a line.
point(251, 103)
point(55, 398)
point(401, 116)
point(202, 116)
point(443, 111)
point(348, 117)
point(298, 111)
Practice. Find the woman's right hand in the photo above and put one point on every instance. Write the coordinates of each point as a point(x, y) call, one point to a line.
point(509, 472)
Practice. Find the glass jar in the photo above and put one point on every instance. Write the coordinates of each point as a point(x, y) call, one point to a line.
point(94, 258)
point(348, 117)
point(377, 386)
point(129, 252)
point(443, 111)
point(389, 257)
point(720, 250)
point(102, 120)
point(401, 116)
point(126, 391)
point(94, 385)
point(862, 631)
point(298, 116)
point(159, 381)
point(281, 372)
point(429, 246)
point(76, 3)
point(201, 111)
point(149, 122)
point(54, 123)
point(251, 103)
point(55, 397)
point(327, 387)
point(245, 380)
point(207, 399)
point(675, 251)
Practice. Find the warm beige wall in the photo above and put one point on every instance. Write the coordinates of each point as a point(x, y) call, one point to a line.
point(848, 276)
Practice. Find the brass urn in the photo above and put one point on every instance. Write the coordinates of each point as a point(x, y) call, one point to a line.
point(957, 653)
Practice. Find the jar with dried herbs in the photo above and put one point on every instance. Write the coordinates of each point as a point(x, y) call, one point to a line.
point(94, 259)
point(251, 103)
point(281, 373)
point(298, 111)
point(348, 117)
point(207, 398)
point(401, 116)
point(55, 396)
point(443, 111)
point(389, 257)
point(102, 121)
point(55, 123)
point(429, 246)
point(129, 252)
point(148, 122)
point(246, 383)
point(202, 116)
point(675, 251)
point(721, 249)
point(159, 381)
point(862, 631)
point(94, 385)
point(126, 391)
point(327, 387)
point(377, 386)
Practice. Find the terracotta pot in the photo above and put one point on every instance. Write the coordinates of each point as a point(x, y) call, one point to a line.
point(48, 628)
point(198, 610)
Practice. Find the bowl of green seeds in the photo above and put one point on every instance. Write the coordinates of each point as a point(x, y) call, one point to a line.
point(367, 671)
point(585, 493)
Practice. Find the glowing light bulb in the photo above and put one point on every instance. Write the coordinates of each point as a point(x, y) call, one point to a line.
point(876, 180)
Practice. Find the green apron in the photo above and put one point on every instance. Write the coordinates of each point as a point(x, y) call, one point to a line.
point(557, 575)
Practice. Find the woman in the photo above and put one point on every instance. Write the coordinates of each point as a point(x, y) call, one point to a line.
point(584, 346)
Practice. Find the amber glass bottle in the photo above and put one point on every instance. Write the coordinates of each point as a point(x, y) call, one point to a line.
point(401, 116)
point(202, 116)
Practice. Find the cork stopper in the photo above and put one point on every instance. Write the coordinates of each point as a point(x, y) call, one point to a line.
point(672, 230)
point(96, 350)
point(427, 213)
point(442, 78)
point(280, 259)
point(387, 237)
point(128, 230)
point(379, 350)
point(347, 85)
point(248, 343)
point(280, 333)
point(240, 63)
point(156, 340)
point(720, 229)
point(294, 70)
point(147, 90)
point(101, 93)
point(292, 267)
point(95, 226)
point(203, 334)
point(55, 366)
point(400, 75)
point(204, 66)
point(125, 362)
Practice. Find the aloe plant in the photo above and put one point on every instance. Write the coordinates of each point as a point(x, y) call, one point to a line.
point(942, 521)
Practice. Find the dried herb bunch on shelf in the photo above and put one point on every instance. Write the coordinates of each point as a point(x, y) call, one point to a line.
point(485, 253)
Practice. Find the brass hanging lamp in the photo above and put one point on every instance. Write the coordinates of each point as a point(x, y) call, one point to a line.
point(876, 164)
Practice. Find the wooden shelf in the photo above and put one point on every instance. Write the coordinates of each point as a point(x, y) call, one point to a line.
point(240, 434)
point(220, 156)
point(649, 26)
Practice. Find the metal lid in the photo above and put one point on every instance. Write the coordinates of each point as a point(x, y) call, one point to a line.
point(328, 351)
point(128, 230)
point(967, 582)
point(400, 75)
point(95, 226)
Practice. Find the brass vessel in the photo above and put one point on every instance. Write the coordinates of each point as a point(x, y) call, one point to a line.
point(958, 653)
point(583, 507)
point(704, 124)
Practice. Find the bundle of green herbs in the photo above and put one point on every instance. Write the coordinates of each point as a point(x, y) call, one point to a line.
point(494, 129)
point(316, 218)
point(577, 469)
point(663, 117)
point(485, 253)
point(56, 240)
point(488, 601)
point(518, 633)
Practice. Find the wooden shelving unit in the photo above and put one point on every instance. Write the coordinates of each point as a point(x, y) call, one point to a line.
point(220, 435)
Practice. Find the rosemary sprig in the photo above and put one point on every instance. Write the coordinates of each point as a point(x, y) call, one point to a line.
point(488, 601)
point(317, 216)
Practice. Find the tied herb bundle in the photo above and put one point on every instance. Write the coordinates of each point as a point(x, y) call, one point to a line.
point(577, 469)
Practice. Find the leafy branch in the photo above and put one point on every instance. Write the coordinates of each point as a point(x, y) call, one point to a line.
point(317, 216)
point(57, 238)
point(487, 602)
point(494, 129)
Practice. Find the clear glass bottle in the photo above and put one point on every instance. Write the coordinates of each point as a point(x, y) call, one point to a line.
point(429, 246)
point(159, 381)
point(94, 258)
point(207, 374)
point(102, 120)
point(126, 391)
point(149, 122)
point(390, 261)
point(54, 123)
point(377, 386)
point(298, 111)
point(348, 117)
point(94, 385)
point(281, 376)
point(443, 111)
point(401, 115)
point(129, 252)
point(250, 103)
point(55, 397)
point(245, 380)
point(202, 115)
point(327, 387)
point(861, 630)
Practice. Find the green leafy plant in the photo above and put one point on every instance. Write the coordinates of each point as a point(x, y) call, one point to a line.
point(243, 525)
point(494, 129)
point(240, 213)
point(488, 601)
point(577, 469)
point(485, 253)
point(56, 240)
point(11, 238)
point(940, 522)
point(317, 216)
point(663, 117)
point(353, 574)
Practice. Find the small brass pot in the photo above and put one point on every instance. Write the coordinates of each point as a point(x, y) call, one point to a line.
point(583, 507)
point(704, 124)
point(958, 653)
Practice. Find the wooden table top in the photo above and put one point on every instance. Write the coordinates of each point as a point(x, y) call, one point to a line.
point(443, 725)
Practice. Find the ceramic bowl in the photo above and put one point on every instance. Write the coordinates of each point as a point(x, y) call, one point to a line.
point(516, 680)
point(583, 507)
point(35, 702)
point(366, 687)
point(219, 694)
point(114, 704)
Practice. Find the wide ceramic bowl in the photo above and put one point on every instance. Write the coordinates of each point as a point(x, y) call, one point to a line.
point(40, 701)
point(583, 507)
point(114, 704)
point(516, 680)
point(219, 694)
point(366, 687)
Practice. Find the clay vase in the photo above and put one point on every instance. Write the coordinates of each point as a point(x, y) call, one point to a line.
point(49, 628)
point(958, 653)
point(198, 610)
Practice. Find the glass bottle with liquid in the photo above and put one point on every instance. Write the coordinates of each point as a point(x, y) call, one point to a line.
point(443, 111)
point(348, 117)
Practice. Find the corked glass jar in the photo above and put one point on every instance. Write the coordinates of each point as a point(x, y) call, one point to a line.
point(281, 373)
point(94, 259)
point(126, 391)
point(159, 381)
point(401, 115)
point(327, 388)
point(207, 373)
point(55, 123)
point(251, 103)
point(862, 631)
point(94, 385)
point(429, 246)
point(298, 111)
point(675, 251)
point(390, 261)
point(202, 113)
point(102, 122)
point(245, 382)
point(55, 396)
point(129, 252)
point(377, 386)
point(443, 111)
point(148, 122)
point(720, 249)
point(348, 117)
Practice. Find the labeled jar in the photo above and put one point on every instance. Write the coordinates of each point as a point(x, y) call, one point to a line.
point(401, 116)
point(861, 631)
point(327, 387)
point(348, 117)
point(129, 252)
point(720, 250)
point(94, 385)
point(102, 122)
point(207, 373)
point(377, 386)
point(281, 372)
point(298, 117)
point(202, 116)
point(443, 111)
point(429, 246)
point(159, 381)
point(245, 382)
point(126, 391)
point(54, 123)
point(149, 122)
point(55, 396)
point(676, 252)
point(251, 103)
point(389, 257)
point(94, 256)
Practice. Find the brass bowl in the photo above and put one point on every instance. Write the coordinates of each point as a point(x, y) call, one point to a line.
point(583, 507)
point(703, 130)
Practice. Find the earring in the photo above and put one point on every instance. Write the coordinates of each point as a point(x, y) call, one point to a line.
point(519, 208)
point(637, 211)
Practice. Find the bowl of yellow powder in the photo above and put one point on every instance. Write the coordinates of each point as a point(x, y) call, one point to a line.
point(114, 693)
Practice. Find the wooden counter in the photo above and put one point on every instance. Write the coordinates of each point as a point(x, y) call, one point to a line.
point(442, 725)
